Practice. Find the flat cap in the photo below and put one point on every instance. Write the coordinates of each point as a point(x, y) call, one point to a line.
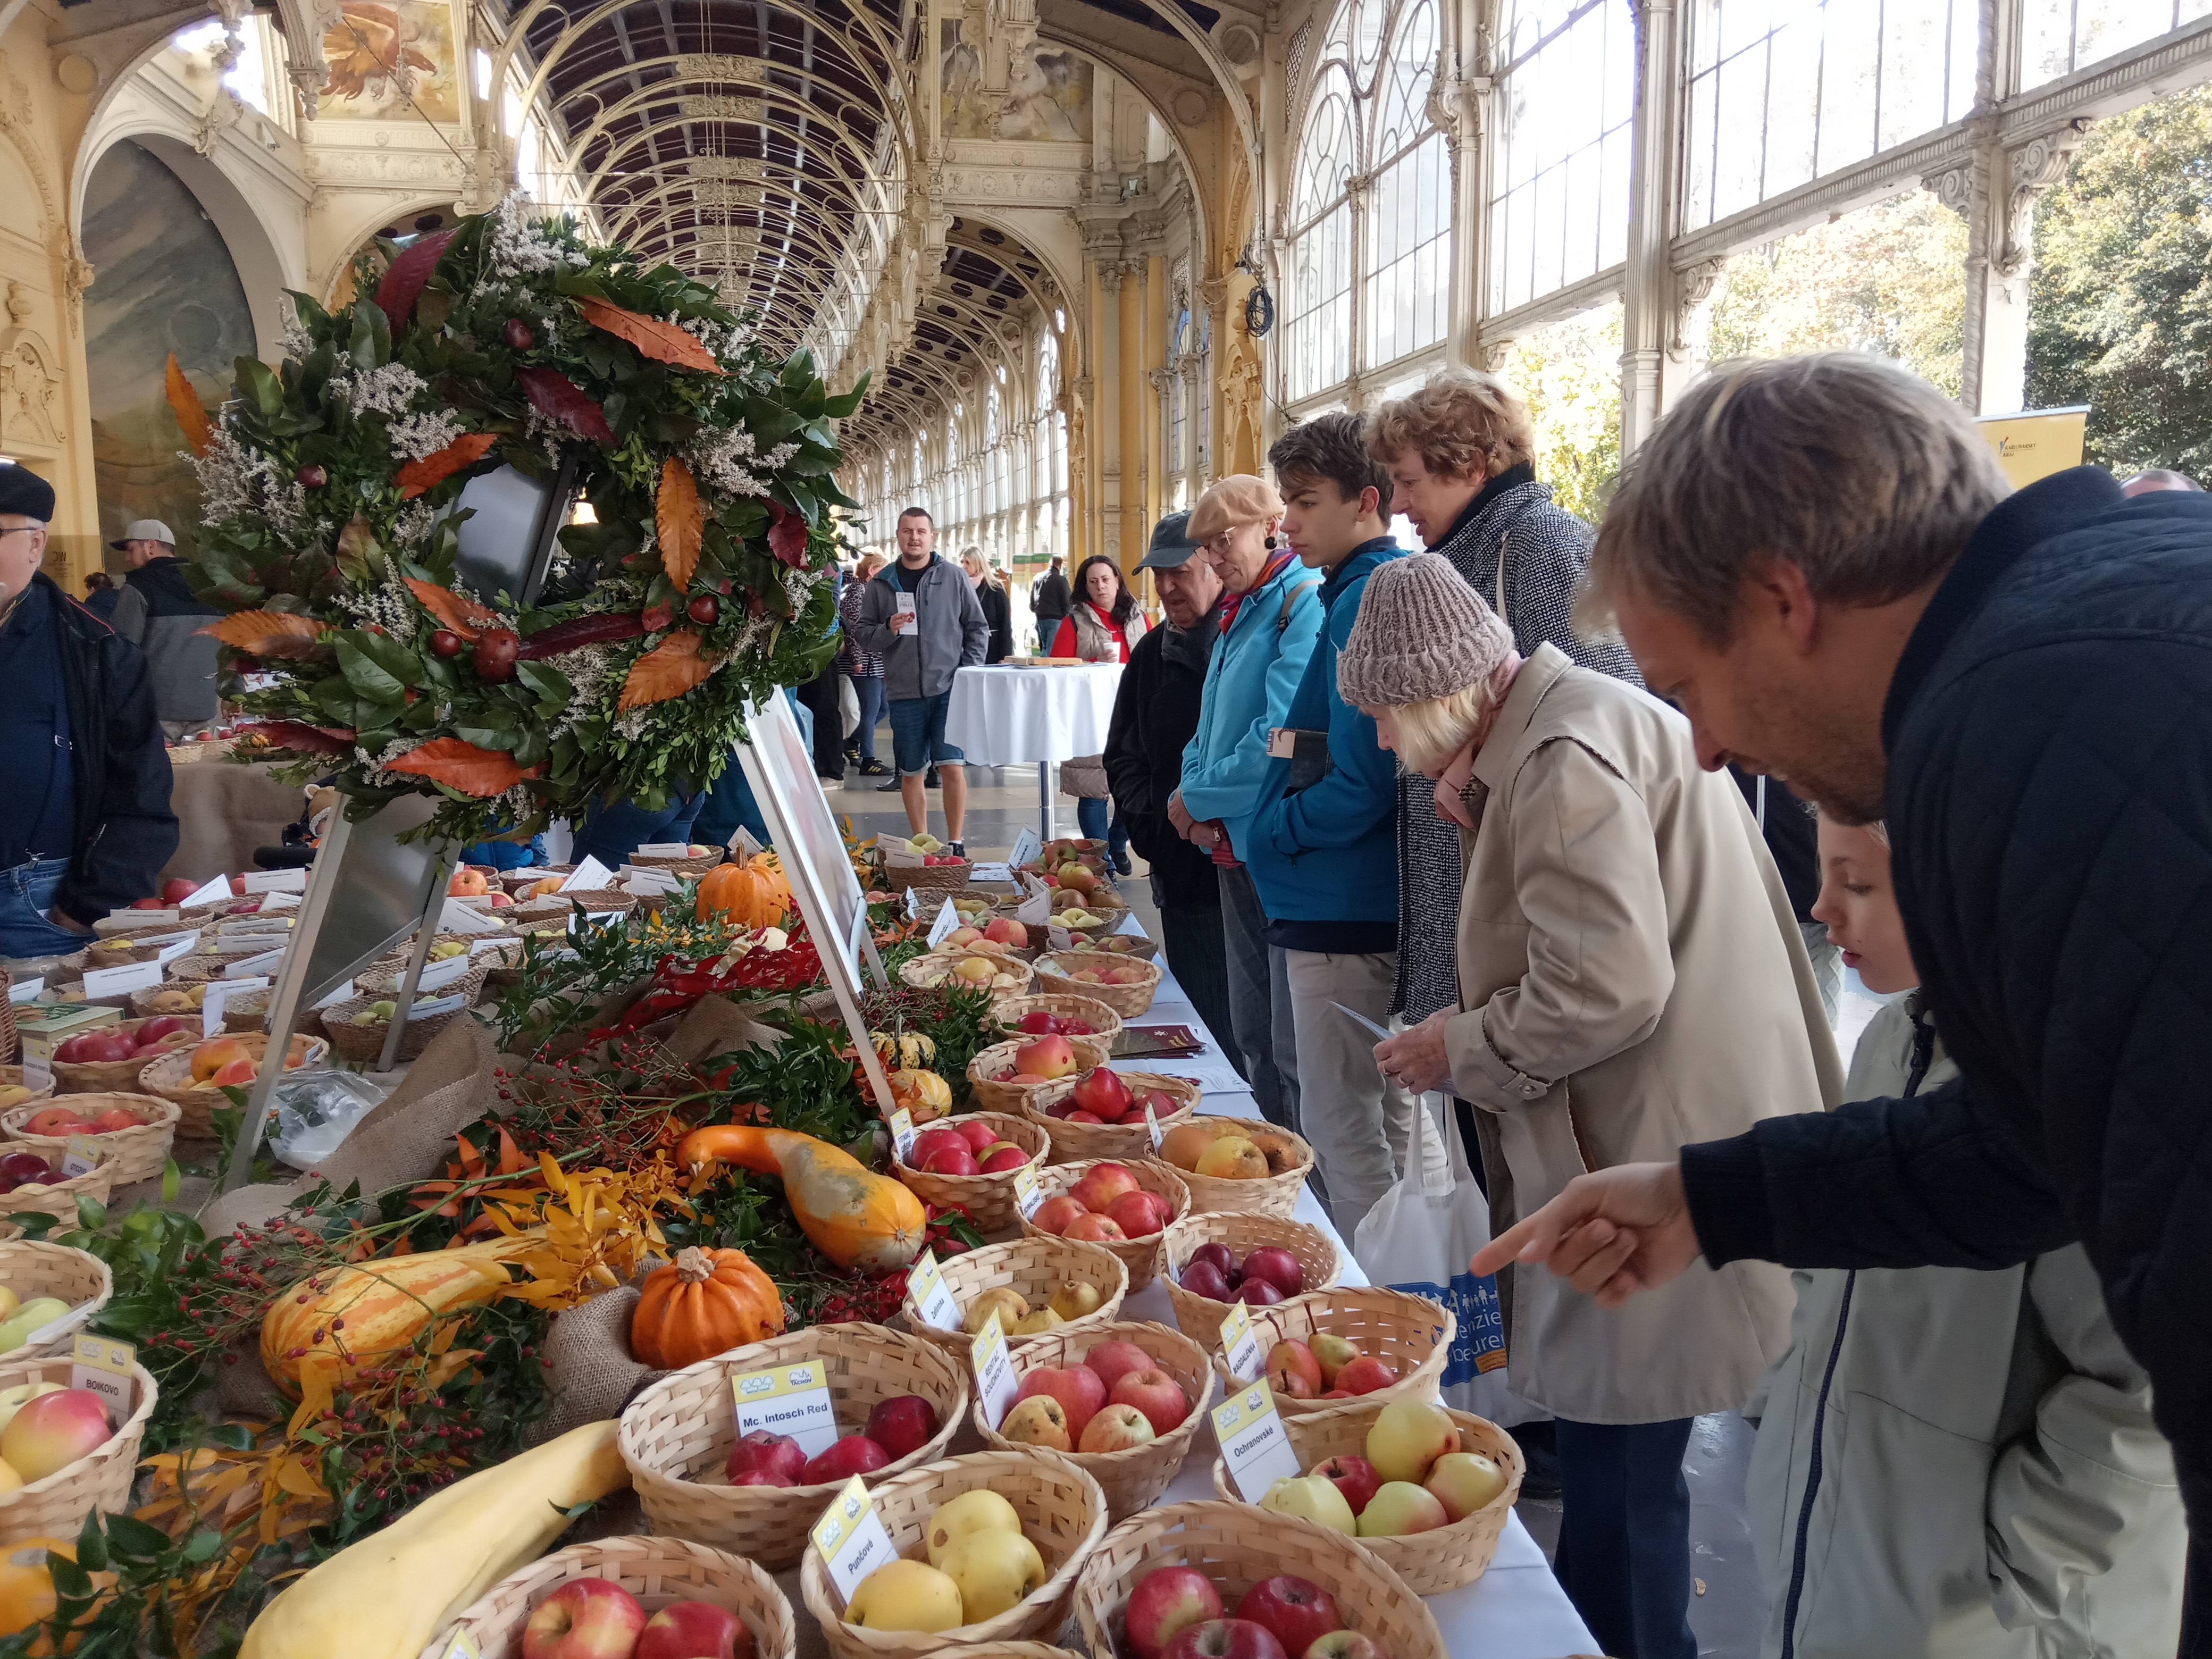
point(23, 492)
point(1240, 498)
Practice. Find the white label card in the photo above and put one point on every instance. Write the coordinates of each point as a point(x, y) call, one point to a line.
point(1026, 847)
point(175, 948)
point(459, 919)
point(436, 1005)
point(272, 902)
point(590, 876)
point(1027, 1194)
point(913, 905)
point(791, 1400)
point(1037, 908)
point(926, 1285)
point(463, 1646)
point(215, 892)
point(221, 992)
point(1240, 1344)
point(26, 990)
point(663, 849)
point(477, 947)
point(80, 1156)
point(994, 1371)
point(1252, 1443)
point(1059, 938)
point(247, 967)
point(904, 602)
point(102, 1365)
point(275, 881)
point(37, 1062)
point(115, 982)
point(850, 1536)
point(437, 975)
point(948, 919)
point(903, 1133)
point(1152, 1125)
point(991, 872)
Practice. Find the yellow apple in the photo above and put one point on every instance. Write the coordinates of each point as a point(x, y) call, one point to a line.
point(956, 1520)
point(1231, 1157)
point(14, 1399)
point(1039, 1420)
point(1009, 1304)
point(1315, 1497)
point(9, 1302)
point(1074, 1298)
point(994, 1570)
point(905, 1596)
point(977, 970)
point(1464, 1481)
point(1406, 1437)
point(1037, 1323)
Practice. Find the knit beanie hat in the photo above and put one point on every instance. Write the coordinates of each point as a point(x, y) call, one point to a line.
point(1422, 633)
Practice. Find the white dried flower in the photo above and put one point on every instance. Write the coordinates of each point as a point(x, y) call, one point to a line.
point(419, 436)
point(386, 391)
point(520, 247)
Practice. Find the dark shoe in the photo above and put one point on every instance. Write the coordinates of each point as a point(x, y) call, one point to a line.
point(957, 848)
point(831, 777)
point(1121, 866)
point(889, 788)
point(931, 781)
point(874, 769)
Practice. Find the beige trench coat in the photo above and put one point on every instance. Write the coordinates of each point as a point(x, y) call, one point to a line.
point(1632, 979)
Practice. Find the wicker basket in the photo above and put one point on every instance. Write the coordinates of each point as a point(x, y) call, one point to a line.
point(1105, 1025)
point(675, 1436)
point(1035, 1267)
point(1275, 1194)
point(11, 1077)
point(56, 1507)
point(58, 1198)
point(1410, 1332)
point(1430, 1562)
point(364, 1044)
point(1062, 1512)
point(528, 875)
point(1243, 1232)
point(1141, 1254)
point(7, 1019)
point(171, 1078)
point(598, 901)
point(987, 1071)
point(988, 1198)
point(689, 868)
point(1073, 1142)
point(946, 878)
point(1143, 947)
point(91, 1077)
point(384, 983)
point(656, 1570)
point(1013, 980)
point(137, 1154)
point(1127, 1001)
point(32, 1267)
point(144, 1005)
point(1236, 1545)
point(1132, 1479)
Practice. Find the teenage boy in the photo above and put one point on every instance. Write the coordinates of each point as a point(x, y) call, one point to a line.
point(1323, 844)
point(922, 617)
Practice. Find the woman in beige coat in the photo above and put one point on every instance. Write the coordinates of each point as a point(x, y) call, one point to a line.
point(1630, 978)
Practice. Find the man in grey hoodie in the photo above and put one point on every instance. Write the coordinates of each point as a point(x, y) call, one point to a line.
point(158, 612)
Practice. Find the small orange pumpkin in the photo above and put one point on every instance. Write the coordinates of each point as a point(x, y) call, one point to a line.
point(705, 1304)
point(754, 894)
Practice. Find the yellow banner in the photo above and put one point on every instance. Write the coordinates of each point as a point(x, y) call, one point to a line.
point(2037, 443)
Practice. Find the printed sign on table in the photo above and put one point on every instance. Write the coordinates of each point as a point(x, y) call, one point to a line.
point(903, 1133)
point(1252, 1443)
point(1240, 1344)
point(926, 1283)
point(790, 1400)
point(220, 991)
point(850, 1536)
point(994, 1371)
point(947, 919)
point(275, 881)
point(114, 981)
point(102, 1365)
point(1027, 1194)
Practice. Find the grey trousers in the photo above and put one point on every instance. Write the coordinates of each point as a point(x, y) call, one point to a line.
point(1259, 1001)
point(1197, 955)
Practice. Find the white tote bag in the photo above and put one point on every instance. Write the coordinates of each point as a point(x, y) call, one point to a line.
point(1417, 1238)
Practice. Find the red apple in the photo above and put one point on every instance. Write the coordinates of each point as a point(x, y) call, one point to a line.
point(1298, 1611)
point(25, 1167)
point(1258, 1293)
point(1355, 1477)
point(1225, 1638)
point(148, 904)
point(1140, 1212)
point(1048, 1056)
point(901, 1424)
point(1293, 1372)
point(1115, 1360)
point(1093, 1229)
point(585, 1619)
point(1038, 1022)
point(1002, 1157)
point(176, 889)
point(56, 1120)
point(853, 1455)
point(1100, 1090)
point(1102, 1184)
point(1117, 1428)
point(1154, 1393)
point(1166, 1602)
point(1057, 1213)
point(161, 1025)
point(1366, 1374)
point(1344, 1645)
point(1081, 1117)
point(694, 1630)
point(53, 1432)
point(930, 1142)
point(979, 1135)
point(773, 1454)
point(951, 1161)
point(1204, 1278)
point(1279, 1267)
point(120, 1118)
point(1078, 1387)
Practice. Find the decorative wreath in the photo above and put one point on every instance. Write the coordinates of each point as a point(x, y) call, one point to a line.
point(327, 488)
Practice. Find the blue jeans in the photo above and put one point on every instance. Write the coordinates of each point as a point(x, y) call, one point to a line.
point(1091, 818)
point(727, 807)
point(27, 893)
point(869, 687)
point(613, 830)
point(918, 734)
point(1624, 1554)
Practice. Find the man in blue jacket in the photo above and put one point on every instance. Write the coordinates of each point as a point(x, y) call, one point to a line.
point(1323, 844)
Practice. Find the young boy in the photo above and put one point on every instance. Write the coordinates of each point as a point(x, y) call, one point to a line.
point(1953, 1464)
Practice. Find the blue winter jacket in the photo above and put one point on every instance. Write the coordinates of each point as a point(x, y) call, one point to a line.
point(1250, 679)
point(1329, 853)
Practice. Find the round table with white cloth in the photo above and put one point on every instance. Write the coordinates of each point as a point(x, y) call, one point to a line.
point(1002, 716)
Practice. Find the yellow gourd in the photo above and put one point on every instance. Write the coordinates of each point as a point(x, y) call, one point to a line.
point(854, 1216)
point(384, 1304)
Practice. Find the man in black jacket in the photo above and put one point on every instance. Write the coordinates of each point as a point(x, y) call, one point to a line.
point(159, 613)
point(1815, 558)
point(1155, 714)
point(1049, 600)
point(85, 825)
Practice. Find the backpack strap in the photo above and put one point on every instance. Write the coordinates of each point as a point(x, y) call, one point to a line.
point(1290, 601)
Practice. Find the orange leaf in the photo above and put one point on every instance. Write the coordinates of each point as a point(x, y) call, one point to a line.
point(246, 629)
point(457, 611)
point(510, 1155)
point(677, 522)
point(466, 450)
point(463, 766)
point(663, 343)
point(192, 414)
point(669, 669)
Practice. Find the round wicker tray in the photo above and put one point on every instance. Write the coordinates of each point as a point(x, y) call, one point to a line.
point(1105, 1025)
point(56, 1506)
point(171, 1078)
point(11, 1077)
point(1410, 1332)
point(1140, 1255)
point(87, 1077)
point(1012, 979)
point(1034, 1267)
point(1055, 974)
point(32, 1267)
point(1275, 1194)
point(1243, 1232)
point(988, 1198)
point(1072, 1142)
point(987, 1071)
point(136, 1154)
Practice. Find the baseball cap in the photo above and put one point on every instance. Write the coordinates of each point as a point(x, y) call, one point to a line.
point(146, 530)
point(1171, 545)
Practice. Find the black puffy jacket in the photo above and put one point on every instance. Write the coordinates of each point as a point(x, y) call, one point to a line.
point(1155, 717)
point(2048, 731)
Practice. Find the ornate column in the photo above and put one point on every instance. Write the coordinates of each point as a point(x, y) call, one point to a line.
point(1647, 322)
point(1155, 359)
point(1129, 504)
point(1196, 453)
point(1458, 105)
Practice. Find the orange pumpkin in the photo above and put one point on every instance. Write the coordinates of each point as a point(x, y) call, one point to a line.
point(707, 1302)
point(753, 894)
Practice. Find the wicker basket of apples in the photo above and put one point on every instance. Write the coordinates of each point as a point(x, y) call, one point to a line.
point(1126, 987)
point(1034, 1285)
point(1135, 947)
point(1374, 1346)
point(65, 1454)
point(898, 1402)
point(112, 1056)
point(988, 1545)
point(1233, 1163)
point(14, 1091)
point(1100, 1113)
point(698, 858)
point(1007, 1076)
point(30, 1182)
point(629, 1598)
point(1228, 1581)
point(938, 871)
point(1003, 976)
point(990, 936)
point(1123, 1400)
point(1210, 1261)
point(978, 1173)
point(1062, 1015)
point(1425, 1489)
point(195, 1077)
point(134, 1131)
point(1125, 1206)
point(49, 1291)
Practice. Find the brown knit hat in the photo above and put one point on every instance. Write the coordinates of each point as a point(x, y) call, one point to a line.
point(1240, 498)
point(1422, 633)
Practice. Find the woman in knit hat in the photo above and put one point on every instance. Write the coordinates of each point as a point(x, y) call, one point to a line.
point(1631, 977)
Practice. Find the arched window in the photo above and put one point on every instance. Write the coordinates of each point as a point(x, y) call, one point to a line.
point(1176, 460)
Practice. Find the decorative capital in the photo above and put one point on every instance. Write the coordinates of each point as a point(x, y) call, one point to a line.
point(1110, 275)
point(2034, 167)
point(1693, 286)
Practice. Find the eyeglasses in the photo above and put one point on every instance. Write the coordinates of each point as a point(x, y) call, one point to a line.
point(25, 529)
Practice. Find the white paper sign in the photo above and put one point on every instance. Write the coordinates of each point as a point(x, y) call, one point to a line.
point(926, 1283)
point(81, 1156)
point(247, 967)
point(1037, 908)
point(1240, 1344)
point(645, 880)
point(237, 936)
point(990, 872)
point(478, 946)
point(913, 905)
point(590, 875)
point(903, 603)
point(437, 975)
point(102, 1365)
point(25, 990)
point(1252, 1443)
point(903, 1134)
point(947, 919)
point(436, 1005)
point(37, 1062)
point(275, 881)
point(850, 1536)
point(1027, 1194)
point(791, 1400)
point(1026, 847)
point(1059, 938)
point(663, 849)
point(175, 948)
point(1152, 1124)
point(272, 902)
point(220, 993)
point(994, 1371)
point(747, 849)
point(213, 893)
point(115, 982)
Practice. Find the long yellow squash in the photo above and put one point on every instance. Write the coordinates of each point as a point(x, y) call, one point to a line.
point(388, 1596)
point(377, 1308)
point(855, 1216)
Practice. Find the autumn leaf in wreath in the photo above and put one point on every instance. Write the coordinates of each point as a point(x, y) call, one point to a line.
point(787, 535)
point(458, 612)
point(307, 739)
point(665, 342)
point(553, 393)
point(463, 766)
point(192, 414)
point(431, 470)
point(676, 523)
point(402, 283)
point(669, 669)
point(250, 630)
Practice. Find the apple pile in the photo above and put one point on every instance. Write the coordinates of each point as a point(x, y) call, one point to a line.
point(148, 1040)
point(224, 1062)
point(27, 1169)
point(18, 1320)
point(58, 1121)
point(597, 1619)
point(44, 1428)
point(1226, 1151)
point(1268, 1275)
point(932, 851)
point(1175, 1612)
point(1414, 1479)
point(1073, 1299)
point(987, 972)
point(1042, 1022)
point(1302, 1371)
point(998, 930)
point(965, 1149)
point(1107, 1203)
point(981, 1565)
point(895, 1426)
point(1073, 967)
point(1101, 1096)
point(1117, 1397)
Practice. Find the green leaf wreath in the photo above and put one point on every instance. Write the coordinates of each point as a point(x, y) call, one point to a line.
point(327, 488)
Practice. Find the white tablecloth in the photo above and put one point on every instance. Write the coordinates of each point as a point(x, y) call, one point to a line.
point(998, 716)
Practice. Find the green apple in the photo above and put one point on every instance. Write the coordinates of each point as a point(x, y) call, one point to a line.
point(1313, 1498)
point(994, 1570)
point(14, 1399)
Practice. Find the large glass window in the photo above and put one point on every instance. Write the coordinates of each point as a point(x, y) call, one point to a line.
point(2060, 36)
